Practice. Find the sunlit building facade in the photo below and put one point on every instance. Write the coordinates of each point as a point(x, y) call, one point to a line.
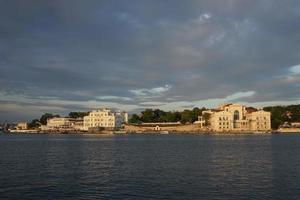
point(235, 117)
point(21, 126)
point(104, 118)
point(63, 123)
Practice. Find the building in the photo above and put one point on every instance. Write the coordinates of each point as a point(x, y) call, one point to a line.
point(63, 124)
point(22, 126)
point(104, 118)
point(292, 127)
point(235, 117)
point(259, 120)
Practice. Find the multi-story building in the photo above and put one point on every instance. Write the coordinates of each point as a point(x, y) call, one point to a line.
point(21, 126)
point(259, 120)
point(235, 117)
point(63, 124)
point(104, 118)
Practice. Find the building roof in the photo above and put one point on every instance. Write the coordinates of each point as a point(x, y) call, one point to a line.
point(251, 109)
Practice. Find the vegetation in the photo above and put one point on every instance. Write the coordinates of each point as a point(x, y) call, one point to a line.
point(45, 117)
point(281, 114)
point(34, 124)
point(157, 115)
point(206, 117)
point(78, 114)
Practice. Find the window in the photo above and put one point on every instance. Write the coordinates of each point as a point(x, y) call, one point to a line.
point(236, 115)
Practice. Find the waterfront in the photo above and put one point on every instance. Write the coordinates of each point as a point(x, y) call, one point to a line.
point(149, 166)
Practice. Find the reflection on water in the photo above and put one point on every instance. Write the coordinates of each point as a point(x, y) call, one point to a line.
point(149, 167)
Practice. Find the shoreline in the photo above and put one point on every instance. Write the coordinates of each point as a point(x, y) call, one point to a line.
point(275, 132)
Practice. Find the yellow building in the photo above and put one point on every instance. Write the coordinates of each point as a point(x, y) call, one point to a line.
point(104, 118)
point(63, 123)
point(22, 126)
point(259, 120)
point(235, 117)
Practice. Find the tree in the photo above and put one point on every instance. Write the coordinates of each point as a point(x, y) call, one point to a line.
point(170, 117)
point(281, 114)
point(177, 116)
point(206, 117)
point(186, 117)
point(147, 115)
point(78, 114)
point(196, 112)
point(135, 119)
point(45, 117)
point(34, 124)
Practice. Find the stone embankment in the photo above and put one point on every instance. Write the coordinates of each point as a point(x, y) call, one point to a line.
point(288, 130)
point(191, 128)
point(179, 128)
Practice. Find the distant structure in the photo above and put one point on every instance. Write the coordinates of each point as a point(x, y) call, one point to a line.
point(22, 126)
point(292, 127)
point(63, 124)
point(104, 118)
point(235, 117)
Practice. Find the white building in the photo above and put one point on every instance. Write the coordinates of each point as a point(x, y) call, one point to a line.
point(22, 126)
point(104, 118)
point(63, 124)
point(235, 117)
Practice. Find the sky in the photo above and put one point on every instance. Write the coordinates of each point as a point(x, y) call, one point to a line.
point(59, 56)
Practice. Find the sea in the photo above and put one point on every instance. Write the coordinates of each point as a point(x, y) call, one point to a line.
point(188, 166)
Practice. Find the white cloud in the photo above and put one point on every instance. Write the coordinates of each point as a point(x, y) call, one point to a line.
point(204, 17)
point(209, 103)
point(114, 98)
point(295, 69)
point(152, 91)
point(239, 95)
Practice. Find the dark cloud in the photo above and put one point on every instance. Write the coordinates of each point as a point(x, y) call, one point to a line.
point(63, 55)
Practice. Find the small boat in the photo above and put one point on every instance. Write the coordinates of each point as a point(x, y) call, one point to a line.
point(23, 131)
point(164, 132)
point(120, 132)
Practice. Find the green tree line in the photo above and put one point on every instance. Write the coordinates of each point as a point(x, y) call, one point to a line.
point(157, 115)
point(281, 114)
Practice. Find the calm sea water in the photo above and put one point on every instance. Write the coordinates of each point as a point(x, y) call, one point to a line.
point(149, 167)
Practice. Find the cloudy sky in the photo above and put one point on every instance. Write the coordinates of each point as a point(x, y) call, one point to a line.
point(63, 55)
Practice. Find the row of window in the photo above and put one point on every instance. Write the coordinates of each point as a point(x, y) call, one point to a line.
point(261, 127)
point(100, 124)
point(97, 120)
point(226, 118)
point(224, 123)
point(257, 118)
point(98, 115)
point(223, 127)
point(223, 118)
point(265, 123)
